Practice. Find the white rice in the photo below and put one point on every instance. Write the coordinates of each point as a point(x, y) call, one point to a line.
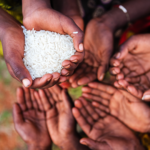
point(45, 51)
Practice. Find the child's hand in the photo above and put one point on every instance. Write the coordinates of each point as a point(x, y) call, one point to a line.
point(131, 65)
point(30, 121)
point(104, 132)
point(41, 17)
point(120, 104)
point(60, 121)
point(86, 71)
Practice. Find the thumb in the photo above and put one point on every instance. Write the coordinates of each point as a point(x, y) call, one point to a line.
point(18, 70)
point(126, 47)
point(93, 144)
point(75, 32)
point(146, 96)
point(17, 116)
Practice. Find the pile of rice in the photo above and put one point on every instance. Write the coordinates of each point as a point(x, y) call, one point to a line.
point(45, 51)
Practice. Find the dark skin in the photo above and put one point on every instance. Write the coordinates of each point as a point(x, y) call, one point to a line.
point(131, 65)
point(86, 72)
point(29, 116)
point(99, 34)
point(59, 118)
point(104, 131)
point(120, 104)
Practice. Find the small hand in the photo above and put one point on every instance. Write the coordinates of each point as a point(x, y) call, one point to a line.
point(103, 131)
point(99, 42)
point(86, 71)
point(60, 121)
point(131, 65)
point(120, 104)
point(30, 121)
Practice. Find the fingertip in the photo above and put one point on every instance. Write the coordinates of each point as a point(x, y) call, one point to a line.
point(75, 112)
point(81, 48)
point(26, 82)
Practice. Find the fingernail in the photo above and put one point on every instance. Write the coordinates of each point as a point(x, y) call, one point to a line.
point(118, 55)
point(115, 64)
point(83, 142)
point(48, 80)
point(26, 82)
point(113, 72)
point(67, 74)
point(68, 66)
point(146, 97)
point(101, 77)
point(56, 79)
point(129, 89)
point(76, 32)
point(75, 61)
point(81, 47)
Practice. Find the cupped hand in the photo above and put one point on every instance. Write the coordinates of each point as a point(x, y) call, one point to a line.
point(120, 104)
point(86, 71)
point(42, 17)
point(104, 132)
point(60, 121)
point(30, 121)
point(99, 42)
point(131, 65)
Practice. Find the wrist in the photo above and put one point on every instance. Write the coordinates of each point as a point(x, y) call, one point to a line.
point(37, 147)
point(72, 142)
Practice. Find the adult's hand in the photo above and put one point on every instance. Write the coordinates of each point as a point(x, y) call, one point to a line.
point(40, 16)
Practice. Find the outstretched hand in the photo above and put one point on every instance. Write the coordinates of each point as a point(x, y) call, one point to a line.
point(120, 104)
point(103, 131)
point(60, 121)
point(30, 121)
point(131, 65)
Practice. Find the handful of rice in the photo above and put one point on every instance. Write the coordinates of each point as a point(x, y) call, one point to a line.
point(45, 51)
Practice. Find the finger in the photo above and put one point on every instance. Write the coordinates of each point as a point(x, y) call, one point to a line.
point(96, 98)
point(120, 76)
point(44, 100)
point(117, 85)
point(69, 65)
point(100, 106)
point(27, 98)
point(96, 92)
point(17, 116)
point(146, 96)
point(53, 81)
point(75, 32)
point(77, 57)
point(39, 102)
point(34, 102)
point(63, 79)
point(100, 112)
point(114, 62)
point(102, 87)
point(95, 145)
point(81, 120)
point(19, 69)
point(114, 70)
point(125, 71)
point(21, 99)
point(49, 96)
point(101, 72)
point(84, 111)
point(40, 82)
point(135, 91)
point(65, 72)
point(123, 83)
point(89, 109)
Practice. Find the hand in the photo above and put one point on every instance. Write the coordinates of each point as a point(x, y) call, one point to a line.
point(103, 131)
point(30, 121)
point(41, 17)
point(99, 42)
point(131, 65)
point(60, 121)
point(86, 71)
point(120, 104)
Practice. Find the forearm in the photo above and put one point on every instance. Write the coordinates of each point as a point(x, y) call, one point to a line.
point(73, 143)
point(31, 5)
point(6, 21)
point(116, 18)
point(67, 7)
point(34, 147)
